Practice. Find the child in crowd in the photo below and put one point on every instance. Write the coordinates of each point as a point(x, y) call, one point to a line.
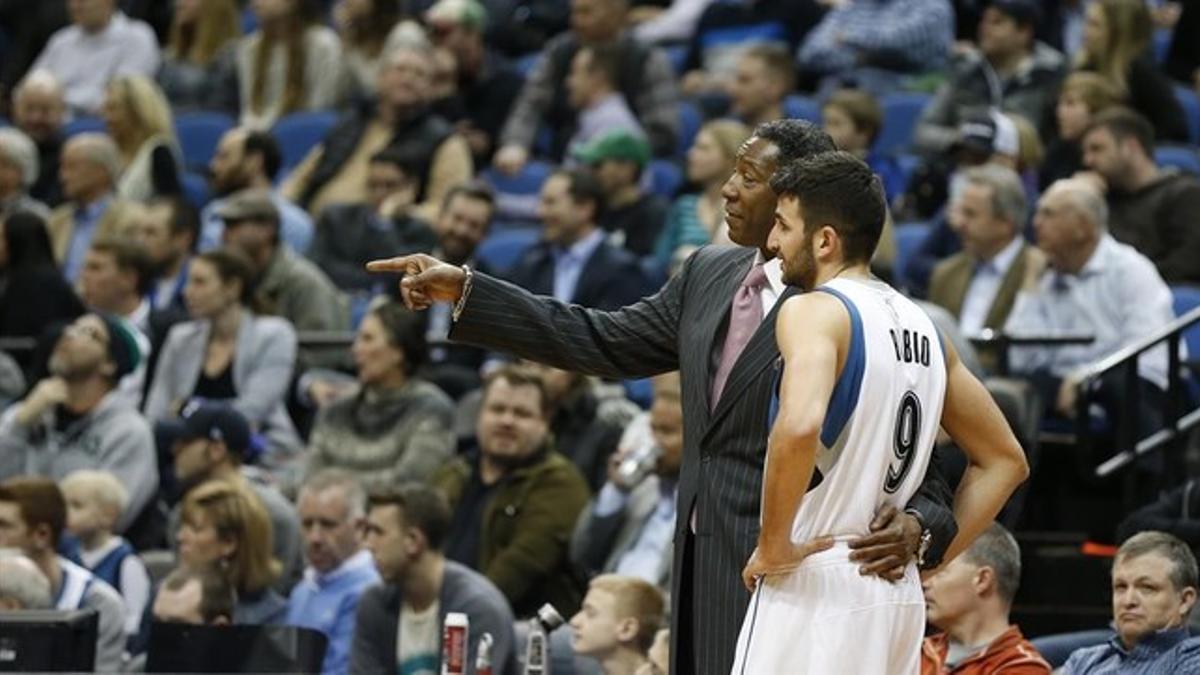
point(853, 119)
point(95, 501)
point(618, 621)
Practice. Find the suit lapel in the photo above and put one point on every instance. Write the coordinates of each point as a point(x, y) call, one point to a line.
point(1006, 295)
point(759, 353)
point(960, 279)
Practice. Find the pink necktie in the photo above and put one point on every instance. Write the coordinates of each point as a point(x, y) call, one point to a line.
point(744, 317)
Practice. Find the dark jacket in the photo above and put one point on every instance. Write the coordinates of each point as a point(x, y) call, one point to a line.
point(46, 188)
point(348, 235)
point(974, 87)
point(1176, 512)
point(1159, 220)
point(527, 525)
point(639, 223)
point(583, 437)
point(611, 277)
point(1152, 95)
point(422, 132)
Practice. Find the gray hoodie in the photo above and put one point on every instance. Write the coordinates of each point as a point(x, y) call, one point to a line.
point(112, 437)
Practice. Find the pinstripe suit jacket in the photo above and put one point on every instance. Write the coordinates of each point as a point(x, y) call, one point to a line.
point(680, 327)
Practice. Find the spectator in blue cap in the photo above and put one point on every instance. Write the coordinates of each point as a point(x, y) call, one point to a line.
point(212, 441)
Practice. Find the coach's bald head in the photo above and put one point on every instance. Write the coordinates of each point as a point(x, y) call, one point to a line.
point(749, 199)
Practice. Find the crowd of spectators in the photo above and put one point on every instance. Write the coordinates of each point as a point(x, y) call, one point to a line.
point(194, 360)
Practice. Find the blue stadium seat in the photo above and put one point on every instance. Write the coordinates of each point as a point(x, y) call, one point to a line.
point(908, 238)
point(195, 189)
point(524, 65)
point(640, 392)
point(517, 196)
point(1191, 110)
point(665, 177)
point(802, 107)
point(900, 113)
point(1186, 298)
point(199, 133)
point(1179, 156)
point(677, 55)
point(1161, 44)
point(300, 132)
point(690, 121)
point(501, 250)
point(81, 125)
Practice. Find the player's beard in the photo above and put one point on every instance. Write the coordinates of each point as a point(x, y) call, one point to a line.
point(802, 273)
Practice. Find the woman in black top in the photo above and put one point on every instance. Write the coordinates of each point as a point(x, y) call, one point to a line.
point(1116, 41)
point(33, 293)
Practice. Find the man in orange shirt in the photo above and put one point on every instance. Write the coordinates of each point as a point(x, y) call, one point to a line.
point(969, 600)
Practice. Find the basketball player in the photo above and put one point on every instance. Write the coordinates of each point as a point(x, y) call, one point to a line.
point(866, 382)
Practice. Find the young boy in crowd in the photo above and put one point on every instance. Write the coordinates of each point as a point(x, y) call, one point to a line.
point(853, 119)
point(95, 500)
point(618, 622)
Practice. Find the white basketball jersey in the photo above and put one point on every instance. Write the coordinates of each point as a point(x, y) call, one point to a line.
point(883, 415)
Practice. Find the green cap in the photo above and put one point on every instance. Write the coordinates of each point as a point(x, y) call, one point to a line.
point(620, 145)
point(468, 13)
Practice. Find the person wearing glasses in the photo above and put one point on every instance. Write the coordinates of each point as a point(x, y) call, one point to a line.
point(72, 420)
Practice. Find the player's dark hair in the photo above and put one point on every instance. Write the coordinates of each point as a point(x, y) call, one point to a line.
point(839, 190)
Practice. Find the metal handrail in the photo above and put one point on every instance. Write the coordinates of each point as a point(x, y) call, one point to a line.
point(1175, 422)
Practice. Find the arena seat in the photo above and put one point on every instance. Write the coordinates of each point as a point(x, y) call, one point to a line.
point(664, 178)
point(1190, 101)
point(803, 108)
point(900, 114)
point(300, 132)
point(81, 125)
point(501, 250)
point(195, 189)
point(690, 121)
point(908, 238)
point(1181, 157)
point(199, 133)
point(516, 195)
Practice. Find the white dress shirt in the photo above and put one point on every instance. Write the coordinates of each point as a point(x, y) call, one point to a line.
point(1118, 297)
point(85, 62)
point(569, 263)
point(983, 287)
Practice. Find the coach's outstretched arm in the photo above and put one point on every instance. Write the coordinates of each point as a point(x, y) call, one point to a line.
point(635, 341)
point(996, 463)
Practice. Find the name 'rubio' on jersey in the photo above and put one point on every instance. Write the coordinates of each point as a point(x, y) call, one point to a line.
point(883, 416)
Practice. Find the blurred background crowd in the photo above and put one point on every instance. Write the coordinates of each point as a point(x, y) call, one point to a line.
point(211, 407)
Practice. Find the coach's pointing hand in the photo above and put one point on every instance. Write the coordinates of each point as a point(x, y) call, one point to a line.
point(426, 279)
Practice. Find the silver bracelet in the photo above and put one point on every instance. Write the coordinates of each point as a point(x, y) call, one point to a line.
point(466, 291)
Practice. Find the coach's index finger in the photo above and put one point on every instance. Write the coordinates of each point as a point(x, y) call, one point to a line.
point(398, 264)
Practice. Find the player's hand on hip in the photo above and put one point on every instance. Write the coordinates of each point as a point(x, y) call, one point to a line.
point(763, 564)
point(426, 279)
point(894, 540)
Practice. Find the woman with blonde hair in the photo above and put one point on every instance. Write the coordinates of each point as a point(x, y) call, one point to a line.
point(1116, 45)
point(138, 118)
point(698, 218)
point(223, 524)
point(1083, 96)
point(291, 63)
point(197, 70)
